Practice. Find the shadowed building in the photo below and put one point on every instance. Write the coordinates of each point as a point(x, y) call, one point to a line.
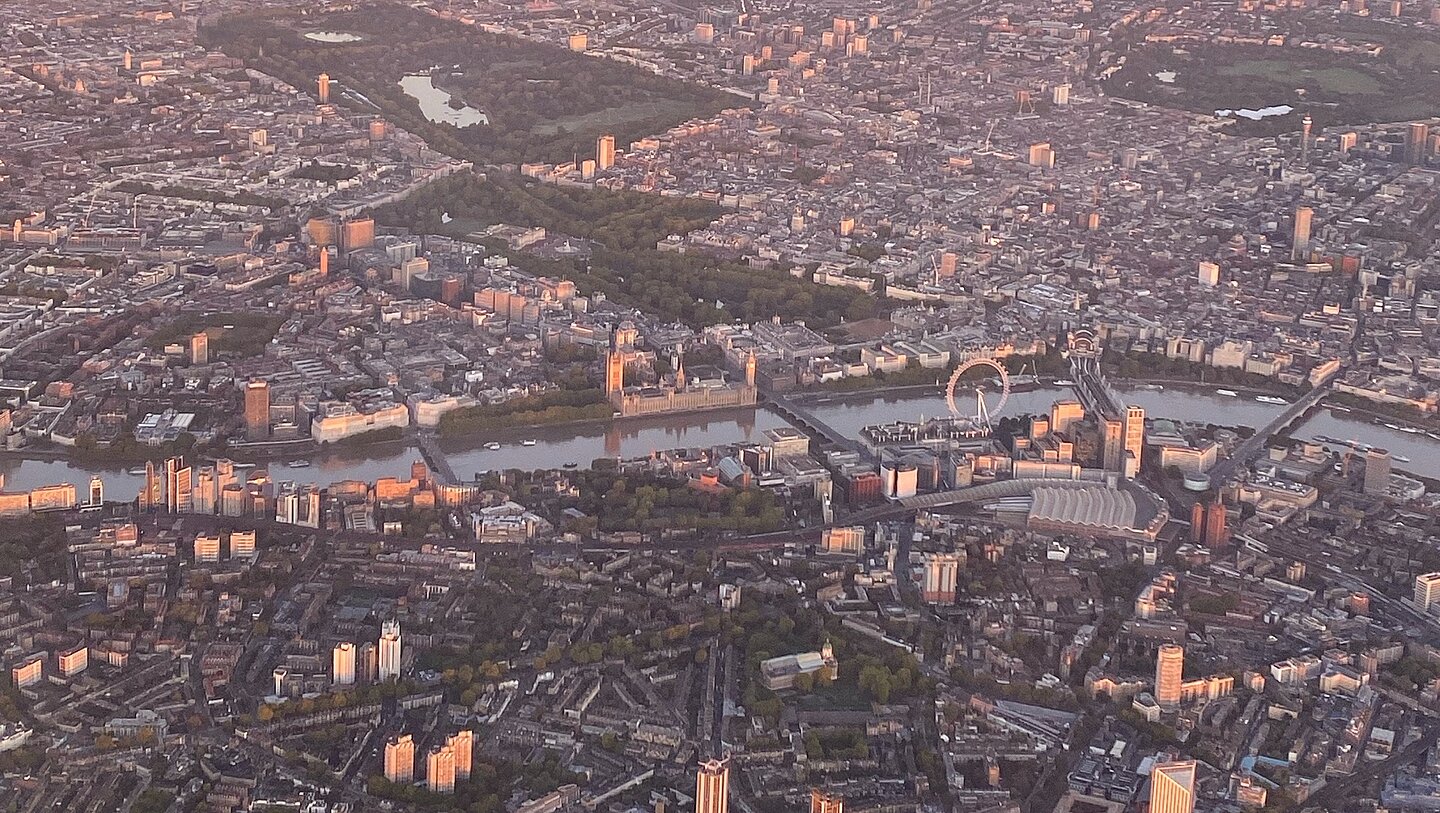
point(257, 410)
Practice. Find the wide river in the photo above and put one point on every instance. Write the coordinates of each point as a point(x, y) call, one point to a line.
point(555, 446)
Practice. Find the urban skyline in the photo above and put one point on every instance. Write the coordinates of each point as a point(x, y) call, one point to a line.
point(653, 408)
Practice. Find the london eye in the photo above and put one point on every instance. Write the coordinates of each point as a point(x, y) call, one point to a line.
point(980, 418)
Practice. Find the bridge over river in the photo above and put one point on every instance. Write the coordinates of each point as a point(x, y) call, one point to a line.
point(804, 420)
point(435, 459)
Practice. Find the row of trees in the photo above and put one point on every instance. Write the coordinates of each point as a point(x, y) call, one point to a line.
point(555, 406)
point(1402, 411)
point(842, 743)
point(620, 220)
point(881, 680)
point(32, 550)
point(239, 334)
point(646, 503)
point(699, 290)
point(239, 197)
point(124, 447)
point(380, 435)
point(617, 646)
point(35, 291)
point(329, 173)
point(367, 695)
point(491, 782)
point(985, 684)
point(1411, 673)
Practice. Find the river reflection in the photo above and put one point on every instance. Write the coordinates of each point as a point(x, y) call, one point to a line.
point(849, 414)
point(557, 446)
point(369, 464)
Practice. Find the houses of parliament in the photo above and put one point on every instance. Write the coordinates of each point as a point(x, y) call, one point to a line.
point(678, 396)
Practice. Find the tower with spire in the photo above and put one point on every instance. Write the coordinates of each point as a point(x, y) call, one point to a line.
point(614, 372)
point(671, 395)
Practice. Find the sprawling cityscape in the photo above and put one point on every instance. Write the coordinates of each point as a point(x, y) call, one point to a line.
point(937, 406)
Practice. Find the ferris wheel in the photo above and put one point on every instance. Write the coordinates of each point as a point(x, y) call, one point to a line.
point(983, 411)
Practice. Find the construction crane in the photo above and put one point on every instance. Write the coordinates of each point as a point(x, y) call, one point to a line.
point(85, 221)
point(985, 148)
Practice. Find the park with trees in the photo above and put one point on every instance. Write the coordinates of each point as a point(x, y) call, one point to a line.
point(541, 102)
point(625, 264)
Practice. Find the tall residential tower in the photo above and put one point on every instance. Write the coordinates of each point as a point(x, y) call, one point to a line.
point(712, 786)
point(389, 650)
point(1169, 675)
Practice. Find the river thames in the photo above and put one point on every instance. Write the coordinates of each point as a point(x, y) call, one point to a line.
point(556, 446)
